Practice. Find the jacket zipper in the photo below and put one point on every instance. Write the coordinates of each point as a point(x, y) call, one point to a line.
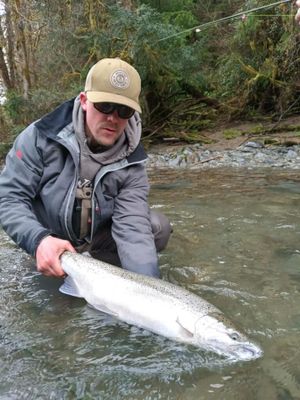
point(113, 167)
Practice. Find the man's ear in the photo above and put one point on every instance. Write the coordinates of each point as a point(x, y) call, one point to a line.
point(83, 100)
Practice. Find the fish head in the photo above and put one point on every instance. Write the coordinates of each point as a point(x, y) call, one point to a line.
point(215, 333)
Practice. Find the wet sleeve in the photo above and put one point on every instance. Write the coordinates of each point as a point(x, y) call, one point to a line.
point(131, 228)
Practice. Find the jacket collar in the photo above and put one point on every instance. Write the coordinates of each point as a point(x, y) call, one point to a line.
point(53, 123)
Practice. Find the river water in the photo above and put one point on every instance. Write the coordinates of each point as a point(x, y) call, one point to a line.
point(236, 242)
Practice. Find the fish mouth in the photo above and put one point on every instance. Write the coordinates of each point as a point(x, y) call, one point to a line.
point(239, 352)
point(245, 352)
point(252, 352)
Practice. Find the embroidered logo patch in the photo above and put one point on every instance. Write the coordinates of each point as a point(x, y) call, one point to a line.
point(119, 79)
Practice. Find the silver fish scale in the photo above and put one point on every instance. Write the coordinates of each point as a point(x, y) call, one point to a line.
point(191, 300)
point(156, 305)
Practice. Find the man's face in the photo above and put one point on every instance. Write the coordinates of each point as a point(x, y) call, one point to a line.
point(102, 129)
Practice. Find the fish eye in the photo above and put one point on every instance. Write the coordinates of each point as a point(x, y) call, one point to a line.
point(234, 336)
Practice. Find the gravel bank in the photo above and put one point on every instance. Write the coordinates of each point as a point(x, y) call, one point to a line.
point(249, 155)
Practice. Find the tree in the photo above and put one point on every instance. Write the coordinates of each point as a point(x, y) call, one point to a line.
point(47, 47)
point(19, 33)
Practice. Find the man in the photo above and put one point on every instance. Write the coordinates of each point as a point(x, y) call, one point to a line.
point(75, 180)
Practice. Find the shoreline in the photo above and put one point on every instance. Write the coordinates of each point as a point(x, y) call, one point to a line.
point(251, 154)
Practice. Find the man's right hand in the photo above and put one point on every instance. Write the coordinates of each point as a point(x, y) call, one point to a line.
point(48, 256)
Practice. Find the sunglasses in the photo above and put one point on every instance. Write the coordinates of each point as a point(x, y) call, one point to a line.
point(124, 112)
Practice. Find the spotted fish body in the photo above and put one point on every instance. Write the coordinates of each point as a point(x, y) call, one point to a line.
point(154, 304)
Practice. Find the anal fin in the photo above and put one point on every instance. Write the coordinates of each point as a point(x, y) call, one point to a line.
point(105, 309)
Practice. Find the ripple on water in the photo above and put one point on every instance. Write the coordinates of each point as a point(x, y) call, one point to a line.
point(235, 243)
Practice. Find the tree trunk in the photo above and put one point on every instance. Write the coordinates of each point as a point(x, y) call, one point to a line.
point(9, 48)
point(3, 66)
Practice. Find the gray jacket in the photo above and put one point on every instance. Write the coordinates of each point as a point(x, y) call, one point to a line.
point(38, 185)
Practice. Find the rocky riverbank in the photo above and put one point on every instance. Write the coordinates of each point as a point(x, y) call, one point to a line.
point(250, 154)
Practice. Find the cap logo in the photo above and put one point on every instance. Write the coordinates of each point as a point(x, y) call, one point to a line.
point(119, 79)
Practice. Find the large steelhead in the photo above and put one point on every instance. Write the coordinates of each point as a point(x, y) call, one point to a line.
point(155, 305)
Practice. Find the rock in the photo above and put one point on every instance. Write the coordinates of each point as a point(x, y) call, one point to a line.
point(291, 154)
point(254, 145)
point(251, 155)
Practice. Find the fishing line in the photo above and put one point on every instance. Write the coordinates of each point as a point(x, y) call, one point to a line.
point(273, 15)
point(239, 14)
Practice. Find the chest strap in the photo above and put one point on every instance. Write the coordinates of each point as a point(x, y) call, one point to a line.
point(85, 195)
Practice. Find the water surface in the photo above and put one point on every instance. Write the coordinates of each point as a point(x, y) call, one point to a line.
point(235, 243)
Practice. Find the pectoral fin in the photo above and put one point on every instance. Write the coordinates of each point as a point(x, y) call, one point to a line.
point(184, 329)
point(69, 287)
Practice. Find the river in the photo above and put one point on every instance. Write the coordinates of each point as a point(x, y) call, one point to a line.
point(236, 243)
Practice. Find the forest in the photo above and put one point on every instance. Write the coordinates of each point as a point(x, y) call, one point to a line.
point(201, 61)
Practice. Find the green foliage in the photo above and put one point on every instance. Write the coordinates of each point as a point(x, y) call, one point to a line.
point(258, 68)
point(169, 5)
point(182, 19)
point(244, 66)
point(15, 106)
point(24, 111)
point(232, 133)
point(163, 64)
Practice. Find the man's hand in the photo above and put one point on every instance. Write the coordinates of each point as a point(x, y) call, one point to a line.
point(297, 17)
point(48, 253)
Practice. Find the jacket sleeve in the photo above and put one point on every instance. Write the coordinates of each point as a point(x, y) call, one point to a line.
point(19, 185)
point(131, 228)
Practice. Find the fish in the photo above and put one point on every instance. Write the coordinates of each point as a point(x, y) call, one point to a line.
point(155, 305)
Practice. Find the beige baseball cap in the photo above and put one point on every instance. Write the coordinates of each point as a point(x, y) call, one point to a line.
point(113, 80)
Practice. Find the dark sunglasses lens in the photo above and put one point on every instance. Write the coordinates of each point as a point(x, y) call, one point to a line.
point(108, 108)
point(105, 108)
point(125, 112)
